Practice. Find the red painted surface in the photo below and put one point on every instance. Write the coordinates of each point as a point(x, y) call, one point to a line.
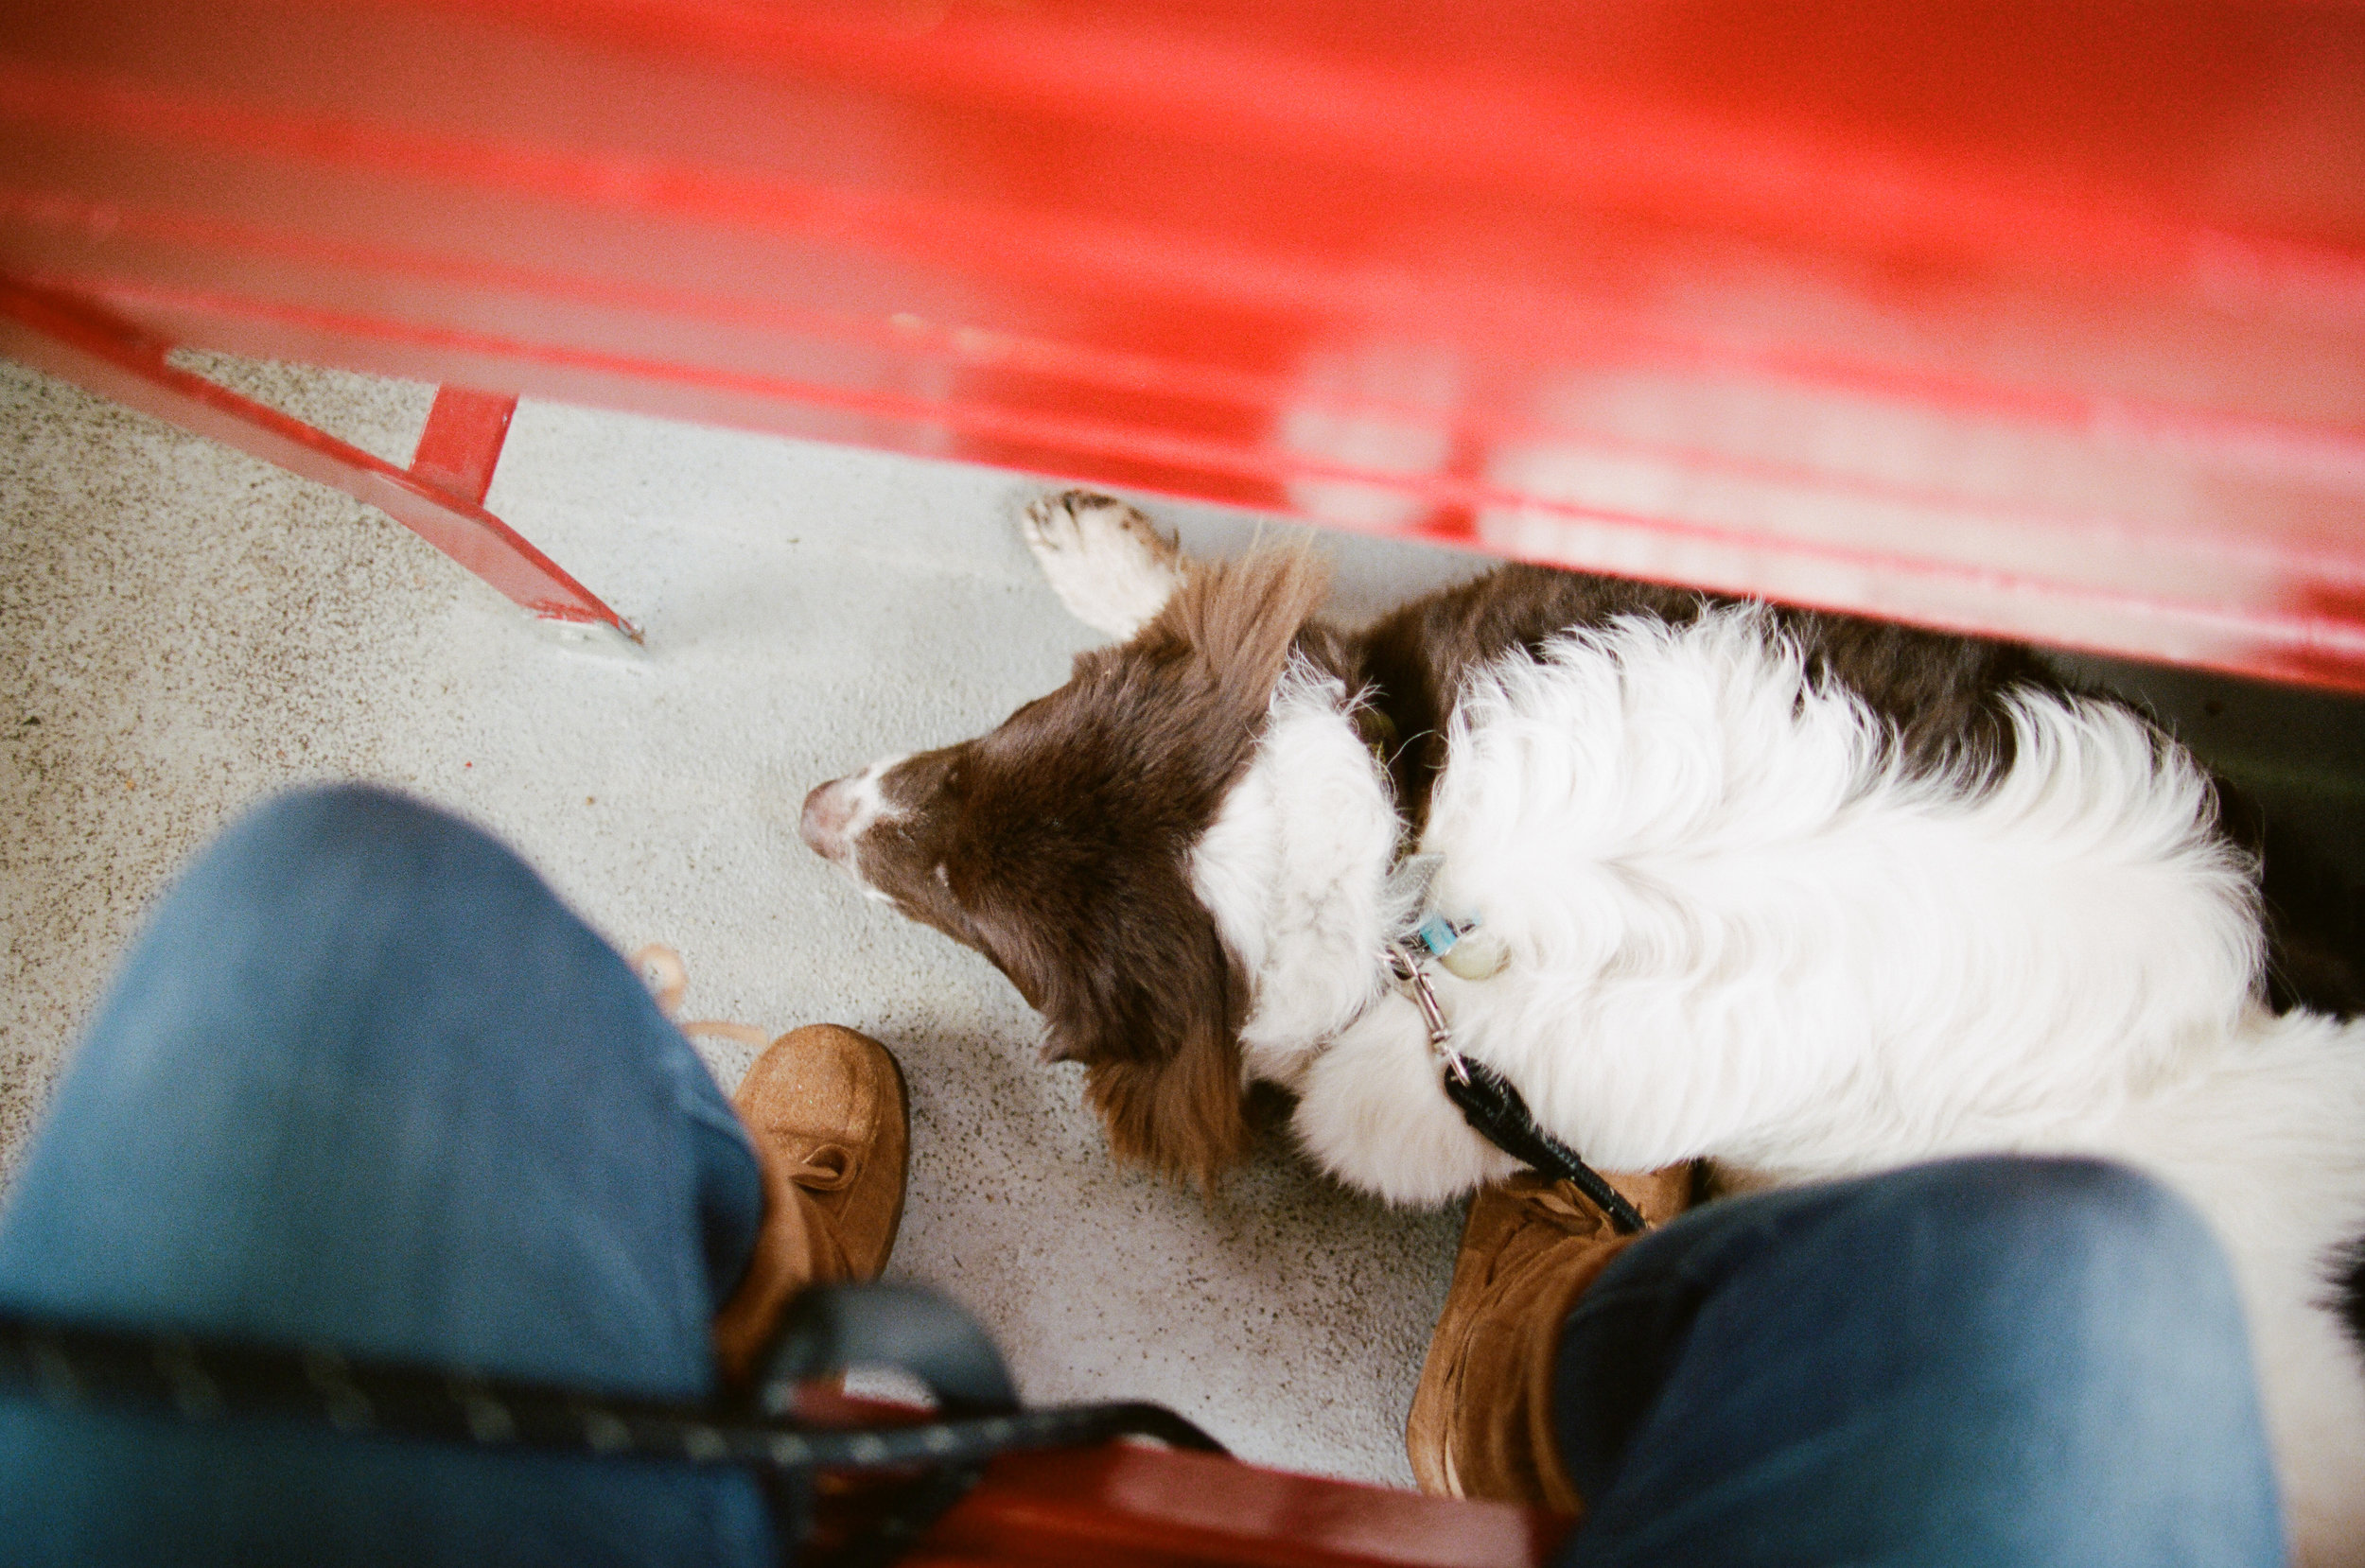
point(462, 443)
point(111, 359)
point(2039, 317)
point(1133, 1504)
point(1137, 1505)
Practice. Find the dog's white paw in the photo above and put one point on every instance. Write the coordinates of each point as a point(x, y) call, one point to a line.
point(1108, 565)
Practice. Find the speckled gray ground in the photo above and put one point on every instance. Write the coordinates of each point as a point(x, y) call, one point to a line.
point(184, 630)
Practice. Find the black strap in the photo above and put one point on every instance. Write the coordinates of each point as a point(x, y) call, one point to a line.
point(837, 1327)
point(1501, 1116)
point(72, 1366)
point(834, 1327)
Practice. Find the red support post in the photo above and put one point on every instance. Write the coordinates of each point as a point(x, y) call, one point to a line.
point(462, 443)
point(439, 499)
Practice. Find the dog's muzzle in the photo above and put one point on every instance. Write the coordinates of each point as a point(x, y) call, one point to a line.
point(828, 816)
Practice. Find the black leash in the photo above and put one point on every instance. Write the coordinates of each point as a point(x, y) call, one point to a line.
point(1501, 1115)
point(72, 1366)
point(1497, 1111)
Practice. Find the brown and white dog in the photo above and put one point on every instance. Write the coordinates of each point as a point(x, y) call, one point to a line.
point(1800, 894)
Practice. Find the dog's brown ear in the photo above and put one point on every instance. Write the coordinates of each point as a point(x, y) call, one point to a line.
point(1241, 618)
point(1097, 922)
point(1184, 1115)
point(1148, 1010)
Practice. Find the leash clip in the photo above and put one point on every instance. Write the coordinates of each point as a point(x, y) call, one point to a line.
point(1413, 979)
point(1493, 1107)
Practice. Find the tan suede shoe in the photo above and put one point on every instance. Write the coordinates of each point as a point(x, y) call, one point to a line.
point(1481, 1420)
point(827, 1111)
point(829, 1105)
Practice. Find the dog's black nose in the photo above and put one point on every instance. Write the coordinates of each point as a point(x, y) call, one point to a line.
point(828, 810)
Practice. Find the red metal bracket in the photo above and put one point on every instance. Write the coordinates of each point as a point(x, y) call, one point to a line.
point(462, 443)
point(440, 498)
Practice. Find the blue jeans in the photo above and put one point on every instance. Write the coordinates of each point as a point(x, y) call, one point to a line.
point(365, 1081)
point(1980, 1362)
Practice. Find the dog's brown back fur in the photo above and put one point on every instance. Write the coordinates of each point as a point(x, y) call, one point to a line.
point(1943, 694)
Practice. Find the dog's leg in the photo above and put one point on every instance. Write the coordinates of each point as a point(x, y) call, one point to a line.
point(1108, 565)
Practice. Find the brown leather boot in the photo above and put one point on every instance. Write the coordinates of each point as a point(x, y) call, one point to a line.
point(826, 1109)
point(1481, 1420)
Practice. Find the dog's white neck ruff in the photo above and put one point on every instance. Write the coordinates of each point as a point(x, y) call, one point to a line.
point(1295, 870)
point(1737, 927)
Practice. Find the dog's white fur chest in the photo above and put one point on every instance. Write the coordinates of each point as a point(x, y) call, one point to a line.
point(1295, 871)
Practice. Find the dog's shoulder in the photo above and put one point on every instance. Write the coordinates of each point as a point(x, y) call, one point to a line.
point(1415, 660)
point(1437, 639)
point(1944, 695)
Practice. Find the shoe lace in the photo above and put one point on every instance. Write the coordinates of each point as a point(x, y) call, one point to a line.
point(668, 979)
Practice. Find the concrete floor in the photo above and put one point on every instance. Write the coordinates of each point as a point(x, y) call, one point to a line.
point(184, 631)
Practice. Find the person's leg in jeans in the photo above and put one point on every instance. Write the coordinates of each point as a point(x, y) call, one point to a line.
point(1980, 1362)
point(365, 1081)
